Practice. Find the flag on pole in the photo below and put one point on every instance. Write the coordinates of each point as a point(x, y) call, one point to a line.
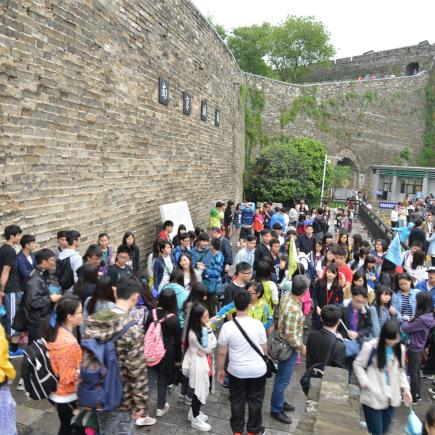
point(394, 251)
point(292, 258)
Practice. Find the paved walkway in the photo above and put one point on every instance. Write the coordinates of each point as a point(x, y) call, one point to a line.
point(39, 417)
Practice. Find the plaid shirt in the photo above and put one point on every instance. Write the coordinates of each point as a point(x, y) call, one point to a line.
point(290, 324)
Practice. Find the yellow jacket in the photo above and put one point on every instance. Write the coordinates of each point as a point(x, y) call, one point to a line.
point(7, 371)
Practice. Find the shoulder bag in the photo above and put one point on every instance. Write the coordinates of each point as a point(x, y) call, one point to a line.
point(269, 363)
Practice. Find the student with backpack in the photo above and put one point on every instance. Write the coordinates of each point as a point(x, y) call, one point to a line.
point(380, 370)
point(418, 329)
point(65, 358)
point(128, 402)
point(199, 344)
point(68, 262)
point(169, 336)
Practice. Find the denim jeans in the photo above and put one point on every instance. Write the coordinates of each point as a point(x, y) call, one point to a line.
point(378, 420)
point(283, 378)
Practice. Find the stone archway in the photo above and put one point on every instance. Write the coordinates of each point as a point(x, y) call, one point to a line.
point(412, 69)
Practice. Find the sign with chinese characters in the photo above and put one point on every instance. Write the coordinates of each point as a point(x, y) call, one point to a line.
point(204, 110)
point(163, 91)
point(187, 103)
point(217, 118)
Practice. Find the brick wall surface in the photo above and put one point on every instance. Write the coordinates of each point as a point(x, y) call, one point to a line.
point(85, 144)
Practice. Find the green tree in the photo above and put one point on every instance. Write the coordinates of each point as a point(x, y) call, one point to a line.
point(220, 30)
point(248, 45)
point(295, 44)
point(287, 170)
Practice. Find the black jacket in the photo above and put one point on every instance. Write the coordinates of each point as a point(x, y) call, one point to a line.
point(365, 325)
point(320, 349)
point(226, 250)
point(417, 235)
point(36, 299)
point(261, 251)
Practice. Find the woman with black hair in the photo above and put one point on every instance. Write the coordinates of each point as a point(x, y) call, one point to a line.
point(199, 344)
point(418, 329)
point(65, 358)
point(327, 290)
point(382, 310)
point(130, 241)
point(379, 250)
point(387, 275)
point(191, 275)
point(166, 370)
point(87, 281)
point(369, 271)
point(380, 370)
point(417, 270)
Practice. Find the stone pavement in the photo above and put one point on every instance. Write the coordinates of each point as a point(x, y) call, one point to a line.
point(39, 417)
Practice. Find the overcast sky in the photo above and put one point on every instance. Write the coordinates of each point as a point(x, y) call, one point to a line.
point(355, 26)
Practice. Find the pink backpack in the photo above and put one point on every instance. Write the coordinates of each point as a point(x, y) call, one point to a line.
point(154, 347)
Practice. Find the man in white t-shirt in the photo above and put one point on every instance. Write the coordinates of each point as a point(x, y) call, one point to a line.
point(246, 368)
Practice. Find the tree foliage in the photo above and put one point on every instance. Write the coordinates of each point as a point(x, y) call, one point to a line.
point(248, 45)
point(295, 44)
point(284, 51)
point(287, 170)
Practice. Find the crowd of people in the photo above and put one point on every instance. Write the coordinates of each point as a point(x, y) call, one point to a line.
point(301, 281)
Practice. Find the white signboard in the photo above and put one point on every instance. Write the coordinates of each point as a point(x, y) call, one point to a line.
point(177, 212)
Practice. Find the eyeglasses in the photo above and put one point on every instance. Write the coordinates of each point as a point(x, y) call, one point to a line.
point(247, 273)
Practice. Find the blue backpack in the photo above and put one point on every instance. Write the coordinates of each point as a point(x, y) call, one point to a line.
point(100, 385)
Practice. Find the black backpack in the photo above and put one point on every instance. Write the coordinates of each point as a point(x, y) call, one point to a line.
point(64, 273)
point(36, 372)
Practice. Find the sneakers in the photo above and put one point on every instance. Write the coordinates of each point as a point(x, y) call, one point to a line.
point(198, 424)
point(201, 416)
point(162, 412)
point(145, 421)
point(17, 354)
point(262, 432)
point(431, 391)
point(427, 376)
point(226, 382)
point(20, 385)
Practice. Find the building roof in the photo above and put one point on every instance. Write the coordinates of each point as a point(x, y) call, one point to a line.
point(404, 171)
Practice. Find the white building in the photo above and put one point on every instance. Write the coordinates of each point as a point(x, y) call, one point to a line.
point(392, 183)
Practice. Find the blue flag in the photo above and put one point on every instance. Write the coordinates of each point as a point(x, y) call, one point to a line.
point(394, 251)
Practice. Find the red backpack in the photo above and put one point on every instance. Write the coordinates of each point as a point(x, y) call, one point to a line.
point(154, 347)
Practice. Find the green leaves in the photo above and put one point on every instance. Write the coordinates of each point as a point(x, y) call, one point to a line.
point(288, 169)
point(282, 52)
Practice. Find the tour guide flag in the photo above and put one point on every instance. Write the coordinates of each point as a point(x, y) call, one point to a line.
point(292, 259)
point(394, 251)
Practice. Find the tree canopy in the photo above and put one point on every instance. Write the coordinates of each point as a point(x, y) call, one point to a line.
point(284, 51)
point(287, 170)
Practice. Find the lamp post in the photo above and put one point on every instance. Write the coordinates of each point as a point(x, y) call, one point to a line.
point(339, 158)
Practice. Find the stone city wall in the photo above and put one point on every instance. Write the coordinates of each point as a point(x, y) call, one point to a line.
point(84, 142)
point(367, 122)
point(382, 63)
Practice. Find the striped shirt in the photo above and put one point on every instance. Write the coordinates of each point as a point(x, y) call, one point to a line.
point(290, 324)
point(406, 309)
